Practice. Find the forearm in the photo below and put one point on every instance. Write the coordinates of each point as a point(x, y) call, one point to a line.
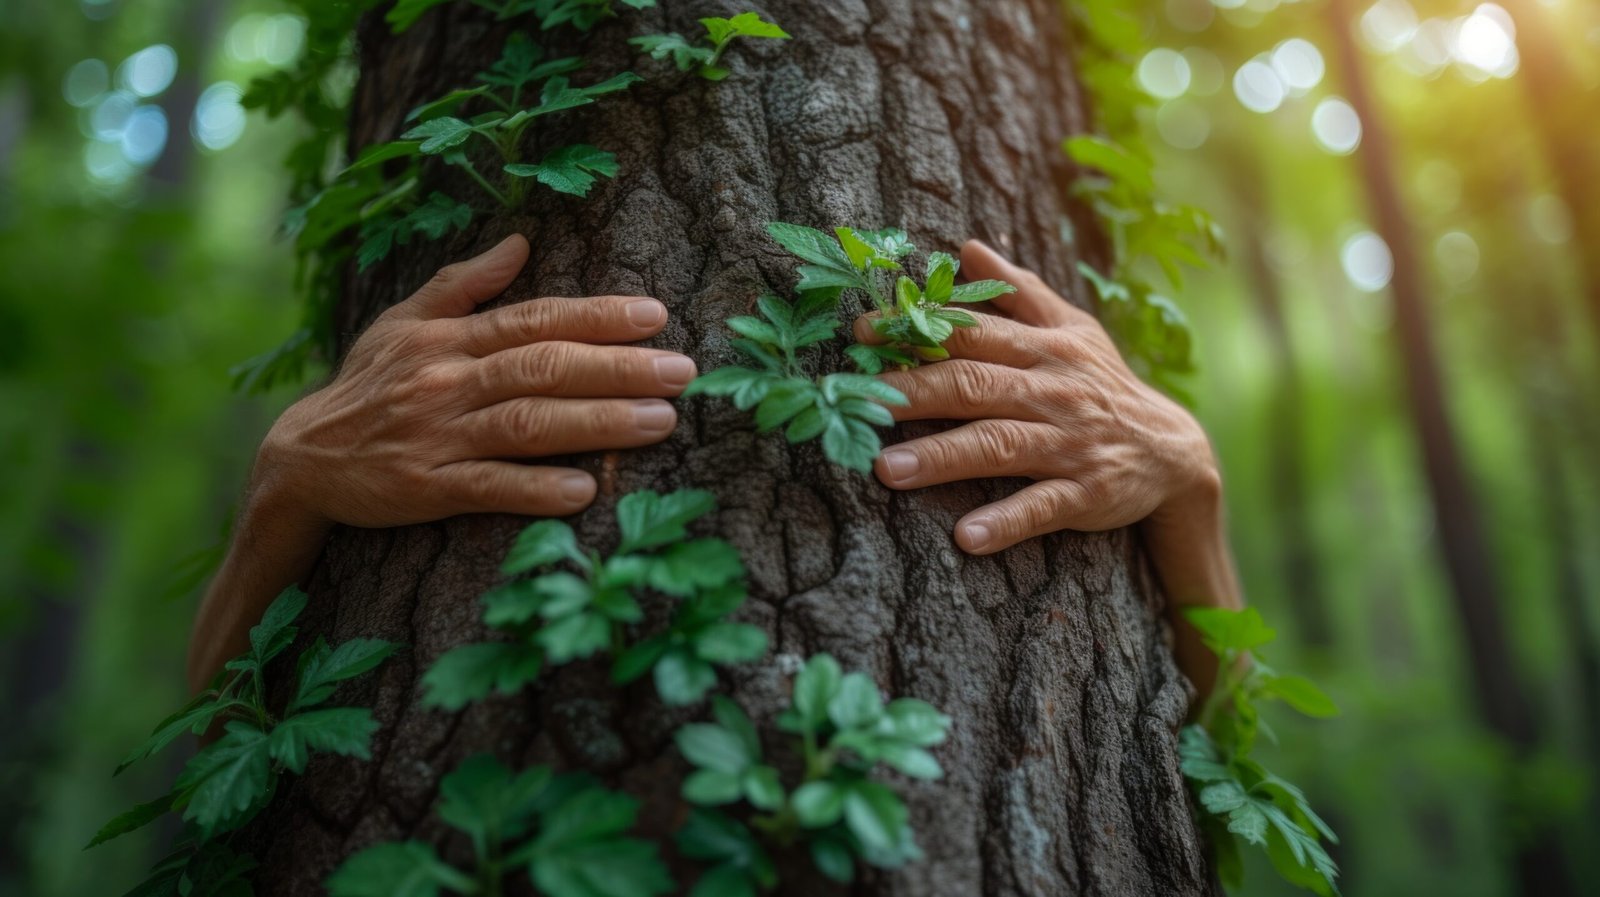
point(1187, 541)
point(274, 545)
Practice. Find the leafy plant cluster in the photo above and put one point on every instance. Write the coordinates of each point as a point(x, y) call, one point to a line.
point(1147, 234)
point(228, 782)
point(705, 60)
point(1239, 799)
point(567, 832)
point(383, 198)
point(782, 344)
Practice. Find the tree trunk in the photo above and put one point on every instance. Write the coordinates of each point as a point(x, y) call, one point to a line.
point(941, 116)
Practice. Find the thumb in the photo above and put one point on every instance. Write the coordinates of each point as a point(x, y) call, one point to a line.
point(457, 289)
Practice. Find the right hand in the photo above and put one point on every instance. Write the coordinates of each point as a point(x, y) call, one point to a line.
point(434, 408)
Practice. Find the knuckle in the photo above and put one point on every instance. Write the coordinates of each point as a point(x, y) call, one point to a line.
point(1000, 445)
point(527, 422)
point(431, 382)
point(973, 385)
point(542, 366)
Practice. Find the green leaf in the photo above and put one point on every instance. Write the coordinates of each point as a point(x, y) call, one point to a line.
point(912, 761)
point(438, 215)
point(814, 689)
point(649, 520)
point(682, 678)
point(1301, 694)
point(710, 788)
point(322, 668)
point(469, 673)
point(346, 731)
point(728, 643)
point(857, 703)
point(914, 722)
point(562, 594)
point(724, 881)
point(445, 105)
point(570, 638)
point(684, 55)
point(637, 659)
point(714, 747)
point(811, 245)
point(762, 787)
point(404, 869)
point(850, 443)
point(273, 634)
point(1122, 166)
point(439, 134)
point(941, 278)
point(1223, 629)
point(745, 386)
point(819, 804)
point(379, 153)
point(570, 169)
point(580, 852)
point(833, 859)
point(513, 604)
point(875, 815)
point(196, 717)
point(746, 24)
point(226, 779)
point(484, 799)
point(132, 820)
point(980, 291)
point(783, 401)
point(687, 567)
point(710, 835)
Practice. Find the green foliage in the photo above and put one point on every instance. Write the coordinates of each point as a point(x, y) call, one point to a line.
point(1146, 233)
point(843, 731)
point(720, 33)
point(563, 615)
point(224, 785)
point(567, 833)
point(1239, 799)
point(841, 408)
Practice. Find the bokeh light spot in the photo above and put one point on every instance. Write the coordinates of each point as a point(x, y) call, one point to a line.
point(145, 136)
point(1367, 261)
point(1190, 15)
point(85, 82)
point(1457, 255)
point(1164, 73)
point(1336, 126)
point(1299, 64)
point(149, 71)
point(1550, 219)
point(1206, 74)
point(1388, 25)
point(1486, 41)
point(218, 117)
point(111, 115)
point(1258, 87)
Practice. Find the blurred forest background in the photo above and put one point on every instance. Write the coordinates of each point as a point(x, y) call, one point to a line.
point(1399, 364)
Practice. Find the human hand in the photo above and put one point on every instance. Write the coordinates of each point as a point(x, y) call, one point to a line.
point(1049, 398)
point(434, 406)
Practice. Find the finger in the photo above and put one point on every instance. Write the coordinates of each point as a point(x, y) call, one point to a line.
point(992, 339)
point(985, 448)
point(501, 487)
point(1035, 510)
point(1033, 303)
point(595, 319)
point(530, 428)
point(960, 389)
point(579, 370)
point(457, 289)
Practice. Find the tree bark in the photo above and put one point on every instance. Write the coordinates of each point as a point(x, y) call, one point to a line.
point(941, 116)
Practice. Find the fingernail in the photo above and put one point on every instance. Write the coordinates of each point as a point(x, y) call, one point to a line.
point(675, 370)
point(646, 312)
point(977, 534)
point(900, 464)
point(577, 488)
point(653, 416)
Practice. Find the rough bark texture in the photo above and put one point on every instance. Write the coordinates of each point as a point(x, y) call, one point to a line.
point(942, 116)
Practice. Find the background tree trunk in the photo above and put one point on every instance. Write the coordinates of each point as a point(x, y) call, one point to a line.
point(941, 116)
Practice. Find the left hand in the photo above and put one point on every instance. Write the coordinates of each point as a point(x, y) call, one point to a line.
point(1049, 398)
